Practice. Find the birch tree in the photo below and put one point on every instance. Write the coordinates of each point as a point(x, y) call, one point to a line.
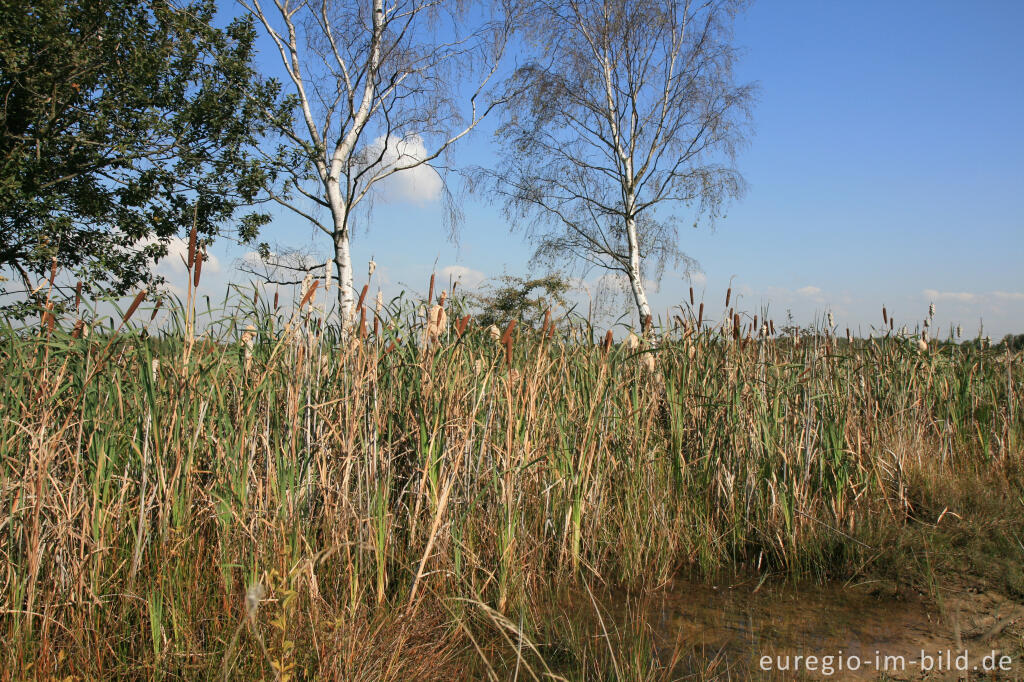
point(631, 121)
point(377, 87)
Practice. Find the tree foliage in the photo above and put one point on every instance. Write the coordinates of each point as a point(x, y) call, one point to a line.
point(122, 124)
point(524, 299)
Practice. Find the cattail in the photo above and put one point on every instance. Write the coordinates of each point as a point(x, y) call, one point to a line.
point(632, 341)
point(700, 315)
point(378, 308)
point(53, 270)
point(959, 331)
point(437, 323)
point(430, 291)
point(885, 316)
point(547, 321)
point(736, 326)
point(198, 270)
point(754, 323)
point(922, 344)
point(306, 297)
point(390, 348)
point(79, 328)
point(771, 326)
point(78, 295)
point(607, 341)
point(444, 297)
point(849, 336)
point(372, 266)
point(192, 237)
point(460, 328)
point(927, 323)
point(156, 309)
point(508, 351)
point(362, 321)
point(931, 310)
point(508, 332)
point(892, 324)
point(362, 295)
point(48, 319)
point(494, 333)
point(277, 294)
point(139, 297)
point(691, 296)
point(647, 362)
point(831, 320)
point(728, 295)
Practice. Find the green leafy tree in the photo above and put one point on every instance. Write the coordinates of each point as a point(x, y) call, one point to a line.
point(523, 299)
point(122, 124)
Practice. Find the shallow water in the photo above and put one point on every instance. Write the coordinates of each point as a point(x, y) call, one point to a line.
point(849, 631)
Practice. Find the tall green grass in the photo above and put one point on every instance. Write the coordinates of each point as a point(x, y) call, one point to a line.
point(323, 504)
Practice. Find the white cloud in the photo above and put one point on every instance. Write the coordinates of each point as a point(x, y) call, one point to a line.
point(966, 297)
point(934, 295)
point(466, 277)
point(812, 293)
point(1008, 295)
point(698, 279)
point(420, 184)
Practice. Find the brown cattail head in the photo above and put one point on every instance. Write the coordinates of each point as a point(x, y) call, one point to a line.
point(430, 291)
point(444, 297)
point(460, 328)
point(736, 326)
point(885, 316)
point(700, 315)
point(362, 321)
point(607, 341)
point(48, 318)
point(728, 295)
point(199, 268)
point(362, 295)
point(892, 324)
point(754, 324)
point(156, 309)
point(77, 331)
point(691, 295)
point(547, 321)
point(78, 295)
point(390, 348)
point(771, 326)
point(139, 298)
point(255, 296)
point(508, 351)
point(309, 293)
point(277, 295)
point(192, 238)
point(508, 332)
point(53, 270)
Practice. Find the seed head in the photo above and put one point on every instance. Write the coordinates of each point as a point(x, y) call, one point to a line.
point(831, 320)
point(632, 341)
point(372, 266)
point(931, 310)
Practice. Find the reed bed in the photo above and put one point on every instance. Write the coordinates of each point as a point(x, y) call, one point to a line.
point(279, 498)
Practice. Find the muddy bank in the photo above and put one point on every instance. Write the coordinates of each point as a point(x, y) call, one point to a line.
point(873, 630)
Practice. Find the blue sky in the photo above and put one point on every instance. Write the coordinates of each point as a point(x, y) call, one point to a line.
point(885, 168)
